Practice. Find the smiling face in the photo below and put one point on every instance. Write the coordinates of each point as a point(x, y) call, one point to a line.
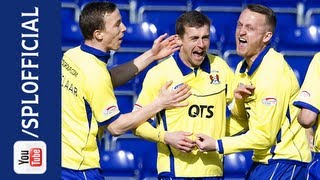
point(252, 34)
point(195, 43)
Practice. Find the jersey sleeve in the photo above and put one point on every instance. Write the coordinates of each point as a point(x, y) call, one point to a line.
point(100, 95)
point(309, 96)
point(236, 126)
point(265, 117)
point(232, 83)
point(149, 92)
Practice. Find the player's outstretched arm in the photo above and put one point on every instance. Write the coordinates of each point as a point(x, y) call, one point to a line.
point(162, 47)
point(167, 99)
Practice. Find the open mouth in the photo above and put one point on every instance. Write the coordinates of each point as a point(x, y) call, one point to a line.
point(199, 53)
point(242, 40)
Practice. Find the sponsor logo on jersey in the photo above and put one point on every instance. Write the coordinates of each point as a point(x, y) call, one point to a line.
point(269, 101)
point(304, 96)
point(176, 86)
point(202, 111)
point(110, 110)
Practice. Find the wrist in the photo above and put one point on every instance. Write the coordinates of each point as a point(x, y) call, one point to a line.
point(159, 104)
point(149, 56)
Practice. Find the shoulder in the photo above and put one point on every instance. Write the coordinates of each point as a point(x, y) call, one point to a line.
point(275, 60)
point(317, 56)
point(218, 62)
point(316, 59)
point(164, 65)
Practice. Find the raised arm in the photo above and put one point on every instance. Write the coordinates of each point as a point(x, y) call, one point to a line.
point(162, 47)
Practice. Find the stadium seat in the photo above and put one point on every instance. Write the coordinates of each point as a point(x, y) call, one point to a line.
point(70, 1)
point(298, 45)
point(144, 151)
point(223, 13)
point(140, 35)
point(128, 9)
point(287, 11)
point(163, 14)
point(70, 11)
point(119, 165)
point(71, 35)
point(215, 42)
point(229, 49)
point(312, 14)
point(126, 98)
point(237, 165)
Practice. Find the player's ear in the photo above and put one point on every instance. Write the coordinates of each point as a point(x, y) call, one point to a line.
point(267, 36)
point(97, 34)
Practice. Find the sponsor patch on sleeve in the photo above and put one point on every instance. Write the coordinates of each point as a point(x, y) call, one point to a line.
point(269, 101)
point(136, 107)
point(304, 96)
point(111, 111)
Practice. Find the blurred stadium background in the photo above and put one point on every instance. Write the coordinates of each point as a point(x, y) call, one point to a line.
point(297, 37)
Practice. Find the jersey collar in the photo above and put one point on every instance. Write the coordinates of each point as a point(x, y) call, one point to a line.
point(256, 62)
point(102, 56)
point(185, 70)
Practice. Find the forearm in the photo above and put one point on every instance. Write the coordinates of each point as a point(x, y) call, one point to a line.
point(236, 126)
point(133, 119)
point(124, 72)
point(238, 110)
point(252, 140)
point(148, 132)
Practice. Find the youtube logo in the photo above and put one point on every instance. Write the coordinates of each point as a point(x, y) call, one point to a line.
point(30, 157)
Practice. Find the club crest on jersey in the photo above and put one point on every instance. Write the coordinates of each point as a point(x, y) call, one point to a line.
point(269, 101)
point(109, 111)
point(214, 79)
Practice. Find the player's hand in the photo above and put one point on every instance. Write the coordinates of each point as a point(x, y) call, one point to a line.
point(180, 140)
point(163, 47)
point(171, 98)
point(243, 91)
point(205, 143)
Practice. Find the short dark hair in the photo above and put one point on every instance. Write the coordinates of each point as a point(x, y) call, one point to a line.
point(92, 17)
point(191, 19)
point(268, 12)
